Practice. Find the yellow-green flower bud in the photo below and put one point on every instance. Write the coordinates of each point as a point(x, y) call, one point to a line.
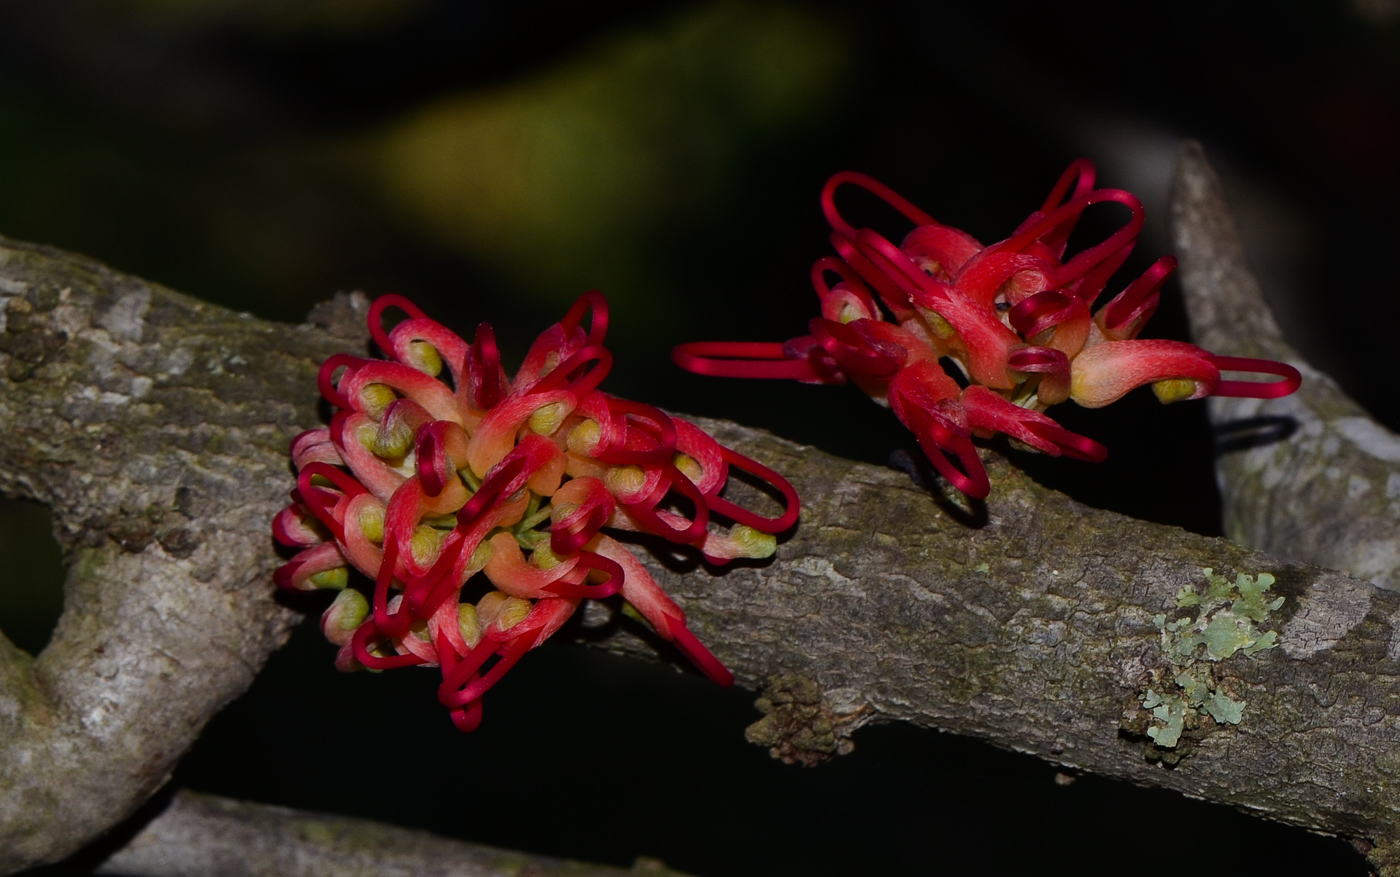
point(375, 398)
point(583, 439)
point(623, 480)
point(688, 465)
point(548, 418)
point(372, 524)
point(543, 557)
point(1174, 390)
point(424, 357)
point(469, 624)
point(754, 544)
point(393, 439)
point(335, 578)
point(426, 543)
point(345, 614)
point(480, 557)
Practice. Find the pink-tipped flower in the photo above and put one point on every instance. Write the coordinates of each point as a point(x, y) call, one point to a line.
point(1015, 318)
point(439, 466)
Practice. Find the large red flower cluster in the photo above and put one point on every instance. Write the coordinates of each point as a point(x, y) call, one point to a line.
point(1014, 319)
point(437, 466)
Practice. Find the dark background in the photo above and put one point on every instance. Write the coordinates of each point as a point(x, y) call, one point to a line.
point(493, 160)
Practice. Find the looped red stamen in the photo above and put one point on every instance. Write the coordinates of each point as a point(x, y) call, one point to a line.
point(1071, 444)
point(847, 274)
point(648, 435)
point(806, 347)
point(856, 353)
point(740, 515)
point(893, 261)
point(891, 293)
point(1080, 172)
point(506, 478)
point(937, 441)
point(485, 372)
point(1139, 299)
point(509, 657)
point(644, 511)
point(376, 318)
point(700, 656)
point(359, 643)
point(742, 359)
point(588, 560)
point(466, 718)
point(430, 449)
point(329, 384)
point(598, 326)
point(582, 384)
point(574, 530)
point(391, 624)
point(1290, 377)
point(315, 498)
point(1036, 313)
point(876, 188)
point(1039, 360)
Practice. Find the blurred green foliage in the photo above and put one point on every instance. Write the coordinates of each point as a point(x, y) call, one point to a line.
point(567, 179)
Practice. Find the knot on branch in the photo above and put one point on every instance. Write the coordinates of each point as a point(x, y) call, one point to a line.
point(799, 726)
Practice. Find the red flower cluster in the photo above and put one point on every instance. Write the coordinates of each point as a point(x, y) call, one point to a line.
point(421, 482)
point(1014, 318)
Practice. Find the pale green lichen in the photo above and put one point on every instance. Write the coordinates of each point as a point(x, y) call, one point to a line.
point(1224, 624)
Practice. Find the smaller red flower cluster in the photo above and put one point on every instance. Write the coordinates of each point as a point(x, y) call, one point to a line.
point(423, 480)
point(1014, 318)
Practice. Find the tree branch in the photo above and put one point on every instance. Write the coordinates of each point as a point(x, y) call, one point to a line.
point(1308, 477)
point(155, 427)
point(219, 837)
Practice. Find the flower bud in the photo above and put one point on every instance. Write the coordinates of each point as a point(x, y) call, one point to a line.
point(469, 624)
point(584, 438)
point(393, 439)
point(345, 614)
point(625, 480)
point(543, 557)
point(374, 398)
point(548, 418)
point(424, 357)
point(330, 579)
point(426, 544)
point(1174, 390)
point(372, 524)
point(345, 660)
point(688, 466)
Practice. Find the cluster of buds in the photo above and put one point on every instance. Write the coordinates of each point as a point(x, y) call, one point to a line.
point(436, 466)
point(1013, 318)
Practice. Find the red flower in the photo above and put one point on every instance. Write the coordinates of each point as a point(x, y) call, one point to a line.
point(1015, 319)
point(424, 480)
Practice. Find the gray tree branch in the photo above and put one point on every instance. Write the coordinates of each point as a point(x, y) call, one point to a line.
point(218, 837)
point(1311, 476)
point(155, 427)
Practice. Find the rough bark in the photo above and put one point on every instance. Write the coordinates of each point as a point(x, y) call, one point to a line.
point(1310, 477)
point(218, 837)
point(155, 428)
